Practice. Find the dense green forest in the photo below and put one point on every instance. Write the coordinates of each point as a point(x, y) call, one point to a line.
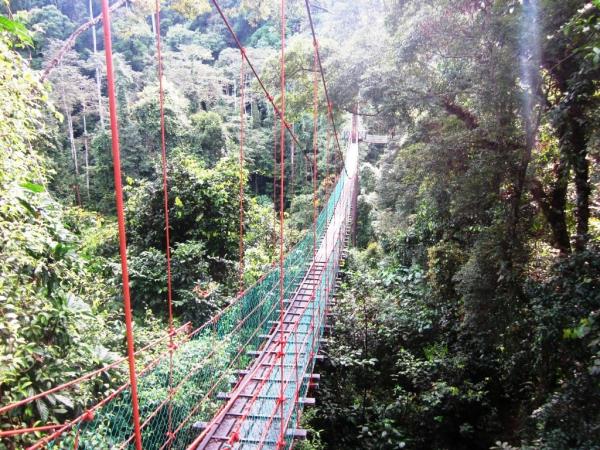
point(467, 315)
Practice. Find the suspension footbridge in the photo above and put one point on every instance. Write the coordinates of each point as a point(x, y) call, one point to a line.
point(242, 379)
point(263, 409)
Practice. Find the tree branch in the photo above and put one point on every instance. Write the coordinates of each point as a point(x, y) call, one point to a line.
point(70, 42)
point(466, 116)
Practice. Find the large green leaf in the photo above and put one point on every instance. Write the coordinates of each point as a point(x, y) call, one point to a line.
point(17, 29)
point(33, 187)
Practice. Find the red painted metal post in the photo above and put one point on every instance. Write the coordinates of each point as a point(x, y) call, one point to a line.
point(114, 126)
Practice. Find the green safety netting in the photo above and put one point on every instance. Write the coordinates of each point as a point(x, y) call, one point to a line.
point(203, 365)
point(262, 426)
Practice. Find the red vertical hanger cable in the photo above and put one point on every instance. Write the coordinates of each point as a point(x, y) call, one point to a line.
point(315, 310)
point(275, 139)
point(293, 170)
point(335, 154)
point(315, 147)
point(114, 126)
point(281, 441)
point(242, 138)
point(165, 182)
point(327, 193)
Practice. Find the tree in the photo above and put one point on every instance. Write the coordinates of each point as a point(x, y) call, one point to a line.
point(207, 137)
point(570, 93)
point(73, 93)
point(52, 315)
point(203, 206)
point(187, 68)
point(49, 25)
point(70, 42)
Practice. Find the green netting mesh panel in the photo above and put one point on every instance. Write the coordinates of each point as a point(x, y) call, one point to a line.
point(206, 363)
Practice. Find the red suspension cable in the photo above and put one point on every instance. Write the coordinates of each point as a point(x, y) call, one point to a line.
point(251, 66)
point(17, 431)
point(114, 126)
point(89, 414)
point(329, 104)
point(163, 144)
point(335, 162)
point(281, 441)
point(242, 136)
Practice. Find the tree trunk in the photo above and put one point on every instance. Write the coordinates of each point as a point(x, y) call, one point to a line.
point(97, 69)
point(517, 196)
point(558, 216)
point(553, 206)
point(557, 200)
point(235, 89)
point(292, 152)
point(73, 150)
point(87, 158)
point(578, 147)
point(466, 116)
point(70, 42)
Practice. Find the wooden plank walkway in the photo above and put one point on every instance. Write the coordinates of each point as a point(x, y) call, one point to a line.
point(255, 395)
